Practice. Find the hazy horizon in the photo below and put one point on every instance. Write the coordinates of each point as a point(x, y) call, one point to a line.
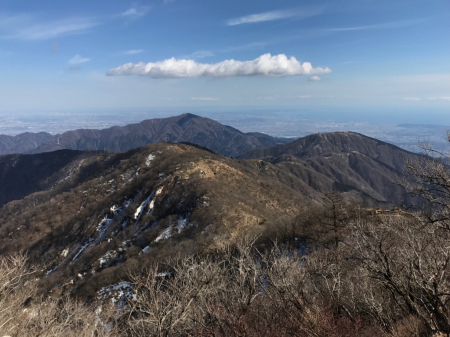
point(282, 123)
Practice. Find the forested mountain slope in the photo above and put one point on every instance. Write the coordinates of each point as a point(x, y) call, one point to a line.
point(360, 167)
point(141, 207)
point(23, 142)
point(184, 128)
point(21, 175)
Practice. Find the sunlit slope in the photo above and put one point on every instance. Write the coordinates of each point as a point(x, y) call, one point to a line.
point(360, 167)
point(143, 206)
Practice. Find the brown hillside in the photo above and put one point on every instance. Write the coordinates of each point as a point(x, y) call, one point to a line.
point(360, 167)
point(184, 128)
point(146, 205)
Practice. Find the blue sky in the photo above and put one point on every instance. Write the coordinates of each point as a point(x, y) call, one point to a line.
point(354, 57)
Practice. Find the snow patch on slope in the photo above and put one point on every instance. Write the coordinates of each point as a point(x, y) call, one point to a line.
point(118, 293)
point(106, 259)
point(159, 191)
point(85, 245)
point(139, 210)
point(182, 223)
point(149, 159)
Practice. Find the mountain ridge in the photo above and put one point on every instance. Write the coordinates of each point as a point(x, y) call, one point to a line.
point(22, 175)
point(164, 198)
point(344, 162)
point(359, 167)
point(97, 214)
point(187, 127)
point(22, 143)
point(338, 141)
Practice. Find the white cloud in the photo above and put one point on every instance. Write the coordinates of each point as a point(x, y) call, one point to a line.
point(315, 78)
point(77, 59)
point(204, 98)
point(411, 99)
point(265, 65)
point(133, 51)
point(27, 27)
point(136, 11)
point(304, 96)
point(275, 15)
point(387, 25)
point(267, 16)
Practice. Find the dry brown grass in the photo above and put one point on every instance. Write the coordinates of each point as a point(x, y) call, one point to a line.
point(23, 315)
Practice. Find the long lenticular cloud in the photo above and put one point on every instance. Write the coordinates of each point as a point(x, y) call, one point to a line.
point(265, 65)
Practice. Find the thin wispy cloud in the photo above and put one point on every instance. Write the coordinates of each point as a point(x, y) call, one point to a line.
point(267, 98)
point(136, 11)
point(274, 15)
point(133, 51)
point(29, 27)
point(200, 54)
point(265, 65)
point(204, 99)
point(267, 16)
point(248, 46)
point(411, 99)
point(77, 59)
point(387, 25)
point(315, 78)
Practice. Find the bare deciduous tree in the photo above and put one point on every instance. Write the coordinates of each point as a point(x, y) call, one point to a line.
point(22, 314)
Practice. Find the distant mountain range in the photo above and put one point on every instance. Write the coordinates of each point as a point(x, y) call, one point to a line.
point(23, 143)
point(184, 128)
point(99, 213)
point(359, 167)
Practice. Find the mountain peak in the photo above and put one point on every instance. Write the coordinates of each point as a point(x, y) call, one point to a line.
point(187, 127)
point(205, 132)
point(186, 117)
point(322, 144)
